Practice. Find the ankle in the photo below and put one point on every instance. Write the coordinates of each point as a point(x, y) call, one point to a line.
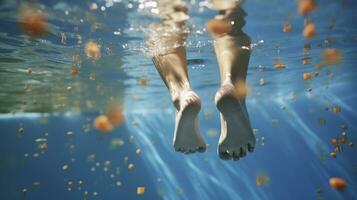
point(227, 79)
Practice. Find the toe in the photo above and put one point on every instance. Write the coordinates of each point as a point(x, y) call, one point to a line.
point(201, 149)
point(250, 147)
point(191, 151)
point(235, 156)
point(242, 152)
point(179, 149)
point(224, 155)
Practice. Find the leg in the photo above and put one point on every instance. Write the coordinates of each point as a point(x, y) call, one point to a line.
point(172, 68)
point(232, 51)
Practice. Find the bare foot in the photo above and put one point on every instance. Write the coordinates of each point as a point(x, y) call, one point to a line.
point(236, 133)
point(187, 138)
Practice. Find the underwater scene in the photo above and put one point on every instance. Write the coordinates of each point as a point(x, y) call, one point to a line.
point(178, 99)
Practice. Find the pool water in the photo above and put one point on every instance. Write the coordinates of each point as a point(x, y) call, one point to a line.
point(51, 92)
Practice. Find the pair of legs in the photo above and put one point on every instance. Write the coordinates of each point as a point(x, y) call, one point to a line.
point(232, 51)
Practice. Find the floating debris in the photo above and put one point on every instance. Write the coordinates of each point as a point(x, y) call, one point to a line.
point(29, 70)
point(36, 184)
point(307, 76)
point(131, 166)
point(115, 115)
point(287, 27)
point(212, 132)
point(278, 64)
point(336, 109)
point(21, 131)
point(65, 167)
point(261, 81)
point(140, 190)
point(333, 154)
point(306, 60)
point(34, 22)
point(207, 114)
point(138, 151)
point(334, 140)
point(143, 81)
point(306, 6)
point(63, 38)
point(322, 121)
point(331, 56)
point(338, 183)
point(24, 191)
point(102, 123)
point(91, 158)
point(115, 143)
point(74, 71)
point(41, 143)
point(338, 149)
point(118, 183)
point(92, 50)
point(309, 30)
point(262, 180)
point(79, 39)
point(307, 47)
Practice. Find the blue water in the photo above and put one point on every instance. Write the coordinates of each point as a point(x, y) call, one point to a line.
point(293, 125)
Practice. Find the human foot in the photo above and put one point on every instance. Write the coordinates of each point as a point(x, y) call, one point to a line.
point(187, 138)
point(236, 133)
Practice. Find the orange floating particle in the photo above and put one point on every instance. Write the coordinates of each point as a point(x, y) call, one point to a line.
point(219, 27)
point(74, 71)
point(307, 76)
point(336, 109)
point(332, 56)
point(309, 30)
point(306, 6)
point(140, 190)
point(103, 124)
point(115, 114)
point(278, 64)
point(262, 180)
point(343, 140)
point(34, 22)
point(338, 183)
point(92, 50)
point(318, 66)
point(116, 117)
point(143, 81)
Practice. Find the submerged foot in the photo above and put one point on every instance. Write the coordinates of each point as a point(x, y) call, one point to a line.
point(187, 138)
point(236, 133)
